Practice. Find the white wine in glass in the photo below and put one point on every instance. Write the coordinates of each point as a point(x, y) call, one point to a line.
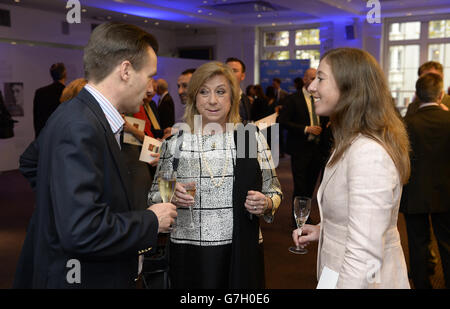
point(167, 182)
point(302, 209)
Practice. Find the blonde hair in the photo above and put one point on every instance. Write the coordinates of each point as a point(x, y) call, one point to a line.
point(365, 106)
point(199, 78)
point(72, 89)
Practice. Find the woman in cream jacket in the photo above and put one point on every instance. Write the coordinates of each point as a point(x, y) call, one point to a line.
point(360, 192)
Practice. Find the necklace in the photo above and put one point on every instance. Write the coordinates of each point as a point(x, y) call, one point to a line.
point(208, 168)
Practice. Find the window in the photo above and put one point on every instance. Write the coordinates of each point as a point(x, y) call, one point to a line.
point(409, 42)
point(307, 37)
point(292, 44)
point(280, 38)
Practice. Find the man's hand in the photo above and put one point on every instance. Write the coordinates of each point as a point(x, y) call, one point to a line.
point(166, 213)
point(315, 130)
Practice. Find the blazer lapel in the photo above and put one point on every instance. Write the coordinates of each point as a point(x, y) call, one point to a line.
point(114, 148)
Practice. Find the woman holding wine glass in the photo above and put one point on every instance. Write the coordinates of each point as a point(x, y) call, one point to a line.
point(222, 246)
point(361, 188)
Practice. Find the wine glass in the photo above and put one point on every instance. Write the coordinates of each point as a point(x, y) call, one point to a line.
point(167, 181)
point(191, 188)
point(302, 208)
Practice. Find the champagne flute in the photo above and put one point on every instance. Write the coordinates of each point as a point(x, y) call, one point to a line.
point(190, 188)
point(167, 181)
point(302, 209)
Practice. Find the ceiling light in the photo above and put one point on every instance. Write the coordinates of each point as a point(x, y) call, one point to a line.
point(209, 13)
point(84, 10)
point(259, 15)
point(199, 11)
point(157, 23)
point(274, 24)
point(16, 1)
point(125, 15)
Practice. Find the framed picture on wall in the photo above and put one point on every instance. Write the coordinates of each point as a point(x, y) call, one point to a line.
point(14, 98)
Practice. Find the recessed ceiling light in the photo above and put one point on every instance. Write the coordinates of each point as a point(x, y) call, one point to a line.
point(14, 43)
point(156, 23)
point(204, 2)
point(16, 1)
point(259, 15)
point(83, 10)
point(199, 11)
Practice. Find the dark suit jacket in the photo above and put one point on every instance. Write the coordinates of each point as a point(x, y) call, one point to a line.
point(245, 108)
point(294, 117)
point(166, 112)
point(46, 100)
point(414, 105)
point(428, 190)
point(83, 204)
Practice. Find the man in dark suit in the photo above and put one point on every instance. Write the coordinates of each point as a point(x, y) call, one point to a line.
point(166, 108)
point(238, 68)
point(84, 232)
point(427, 195)
point(304, 129)
point(280, 93)
point(425, 68)
point(46, 99)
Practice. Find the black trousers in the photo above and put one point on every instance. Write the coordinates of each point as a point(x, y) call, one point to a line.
point(418, 229)
point(305, 167)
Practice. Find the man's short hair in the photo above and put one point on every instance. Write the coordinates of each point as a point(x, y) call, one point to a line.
point(276, 79)
point(430, 65)
point(113, 42)
point(58, 71)
point(188, 71)
point(233, 59)
point(429, 87)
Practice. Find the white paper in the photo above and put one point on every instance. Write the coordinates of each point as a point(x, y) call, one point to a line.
point(138, 124)
point(150, 146)
point(328, 279)
point(266, 121)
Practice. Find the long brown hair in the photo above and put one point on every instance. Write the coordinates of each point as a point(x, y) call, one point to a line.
point(365, 106)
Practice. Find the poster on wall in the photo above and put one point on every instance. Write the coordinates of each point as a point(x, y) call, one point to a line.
point(285, 70)
point(14, 98)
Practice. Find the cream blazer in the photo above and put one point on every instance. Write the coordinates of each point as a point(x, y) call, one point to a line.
point(358, 199)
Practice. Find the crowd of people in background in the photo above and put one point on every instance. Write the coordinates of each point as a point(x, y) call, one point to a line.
point(347, 139)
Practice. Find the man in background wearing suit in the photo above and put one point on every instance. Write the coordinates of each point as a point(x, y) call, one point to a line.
point(304, 129)
point(429, 67)
point(280, 93)
point(85, 231)
point(427, 195)
point(183, 83)
point(166, 108)
point(46, 99)
point(238, 68)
